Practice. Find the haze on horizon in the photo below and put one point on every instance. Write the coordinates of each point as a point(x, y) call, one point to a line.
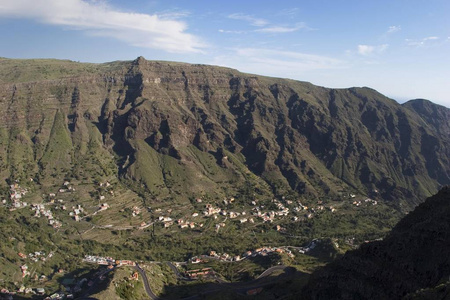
point(399, 48)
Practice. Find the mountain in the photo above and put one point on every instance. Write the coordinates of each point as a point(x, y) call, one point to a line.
point(172, 131)
point(411, 262)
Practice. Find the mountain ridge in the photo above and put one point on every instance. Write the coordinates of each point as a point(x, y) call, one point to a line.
point(163, 120)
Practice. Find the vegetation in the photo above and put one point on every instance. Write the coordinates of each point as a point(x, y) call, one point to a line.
point(109, 150)
point(410, 260)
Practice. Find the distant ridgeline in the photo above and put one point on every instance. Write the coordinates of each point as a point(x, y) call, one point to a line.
point(175, 130)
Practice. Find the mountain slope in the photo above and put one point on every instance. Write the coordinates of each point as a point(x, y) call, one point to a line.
point(412, 257)
point(178, 130)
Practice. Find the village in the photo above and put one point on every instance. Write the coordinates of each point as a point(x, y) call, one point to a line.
point(223, 213)
point(205, 216)
point(76, 286)
point(256, 213)
point(195, 274)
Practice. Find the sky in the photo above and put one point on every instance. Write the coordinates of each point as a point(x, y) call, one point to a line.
point(399, 47)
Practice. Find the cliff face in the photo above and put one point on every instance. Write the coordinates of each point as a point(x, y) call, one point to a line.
point(412, 257)
point(178, 129)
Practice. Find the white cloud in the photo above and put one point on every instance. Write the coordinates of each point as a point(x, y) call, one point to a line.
point(266, 26)
point(369, 49)
point(422, 42)
point(232, 31)
point(99, 19)
point(172, 14)
point(251, 19)
point(365, 49)
point(393, 29)
point(278, 63)
point(283, 29)
point(288, 12)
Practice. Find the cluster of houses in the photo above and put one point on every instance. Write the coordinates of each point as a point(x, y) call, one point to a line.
point(41, 292)
point(16, 194)
point(270, 216)
point(103, 206)
point(195, 274)
point(105, 185)
point(108, 261)
point(36, 256)
point(16, 191)
point(211, 210)
point(182, 223)
point(35, 291)
point(24, 269)
point(263, 251)
point(40, 210)
point(168, 221)
point(214, 255)
point(220, 225)
point(59, 296)
point(312, 245)
point(6, 294)
point(71, 287)
point(367, 201)
point(135, 276)
point(77, 212)
point(257, 212)
point(125, 262)
point(135, 211)
point(100, 260)
point(282, 210)
point(67, 188)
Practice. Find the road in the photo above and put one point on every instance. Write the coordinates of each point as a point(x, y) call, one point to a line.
point(175, 270)
point(271, 270)
point(240, 287)
point(146, 284)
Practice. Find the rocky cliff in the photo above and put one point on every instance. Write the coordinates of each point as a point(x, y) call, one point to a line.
point(175, 130)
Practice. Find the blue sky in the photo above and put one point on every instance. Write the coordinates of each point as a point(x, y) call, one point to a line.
point(398, 47)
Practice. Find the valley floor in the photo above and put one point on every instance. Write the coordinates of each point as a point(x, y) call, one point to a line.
point(53, 235)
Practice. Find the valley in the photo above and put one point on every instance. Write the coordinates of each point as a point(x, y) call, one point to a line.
point(155, 162)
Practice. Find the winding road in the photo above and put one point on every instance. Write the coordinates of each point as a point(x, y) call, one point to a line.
point(146, 284)
point(175, 270)
point(240, 287)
